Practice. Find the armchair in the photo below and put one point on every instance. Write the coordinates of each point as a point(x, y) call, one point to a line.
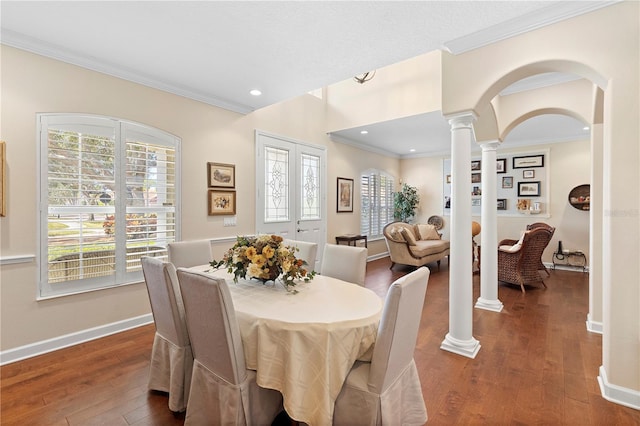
point(550, 228)
point(518, 261)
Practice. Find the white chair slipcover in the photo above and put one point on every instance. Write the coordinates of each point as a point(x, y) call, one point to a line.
point(171, 358)
point(306, 251)
point(223, 391)
point(186, 254)
point(346, 263)
point(387, 391)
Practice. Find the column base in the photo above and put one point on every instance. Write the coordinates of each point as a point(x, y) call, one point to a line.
point(468, 348)
point(593, 326)
point(489, 305)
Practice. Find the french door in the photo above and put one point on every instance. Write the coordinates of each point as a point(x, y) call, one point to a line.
point(291, 193)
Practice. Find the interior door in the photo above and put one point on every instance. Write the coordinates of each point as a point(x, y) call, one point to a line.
point(290, 187)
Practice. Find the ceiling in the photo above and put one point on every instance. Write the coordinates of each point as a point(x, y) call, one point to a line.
point(217, 51)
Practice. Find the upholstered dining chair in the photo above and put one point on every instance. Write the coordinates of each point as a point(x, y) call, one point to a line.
point(223, 390)
point(519, 261)
point(306, 251)
point(541, 266)
point(387, 390)
point(185, 254)
point(171, 357)
point(346, 263)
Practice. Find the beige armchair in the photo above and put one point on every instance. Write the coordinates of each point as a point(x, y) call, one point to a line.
point(408, 246)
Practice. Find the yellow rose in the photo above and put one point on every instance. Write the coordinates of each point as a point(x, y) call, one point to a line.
point(268, 252)
point(250, 253)
point(259, 260)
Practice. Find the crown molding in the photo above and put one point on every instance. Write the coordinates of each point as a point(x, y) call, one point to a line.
point(555, 12)
point(43, 48)
point(364, 147)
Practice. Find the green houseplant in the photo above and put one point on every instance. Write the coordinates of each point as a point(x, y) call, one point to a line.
point(405, 202)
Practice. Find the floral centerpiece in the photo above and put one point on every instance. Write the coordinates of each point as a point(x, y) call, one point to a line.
point(264, 258)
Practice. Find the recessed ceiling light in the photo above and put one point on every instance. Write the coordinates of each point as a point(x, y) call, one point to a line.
point(585, 128)
point(256, 92)
point(412, 150)
point(364, 132)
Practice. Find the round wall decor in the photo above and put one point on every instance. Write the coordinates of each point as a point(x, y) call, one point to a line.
point(580, 197)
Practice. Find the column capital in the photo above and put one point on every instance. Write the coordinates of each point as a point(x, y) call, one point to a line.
point(461, 120)
point(489, 145)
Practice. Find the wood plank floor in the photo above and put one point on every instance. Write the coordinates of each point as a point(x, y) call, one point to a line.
point(537, 365)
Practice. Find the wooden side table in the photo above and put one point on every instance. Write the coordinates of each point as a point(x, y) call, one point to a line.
point(351, 238)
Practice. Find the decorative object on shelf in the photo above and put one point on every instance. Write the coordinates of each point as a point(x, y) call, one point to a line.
point(529, 189)
point(501, 165)
point(528, 161)
point(364, 77)
point(264, 258)
point(580, 197)
point(528, 174)
point(523, 205)
point(502, 203)
point(507, 182)
point(345, 195)
point(221, 175)
point(405, 202)
point(436, 221)
point(221, 202)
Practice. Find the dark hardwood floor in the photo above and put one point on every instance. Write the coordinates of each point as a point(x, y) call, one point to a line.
point(537, 365)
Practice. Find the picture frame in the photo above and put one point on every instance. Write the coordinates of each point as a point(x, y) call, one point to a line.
point(448, 178)
point(221, 202)
point(3, 179)
point(501, 204)
point(528, 174)
point(528, 161)
point(476, 165)
point(507, 182)
point(524, 204)
point(529, 189)
point(501, 165)
point(220, 175)
point(447, 202)
point(344, 195)
point(476, 177)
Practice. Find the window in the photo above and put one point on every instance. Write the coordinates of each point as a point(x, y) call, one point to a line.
point(376, 189)
point(108, 196)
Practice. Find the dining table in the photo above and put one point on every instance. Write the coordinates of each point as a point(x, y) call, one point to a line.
point(304, 343)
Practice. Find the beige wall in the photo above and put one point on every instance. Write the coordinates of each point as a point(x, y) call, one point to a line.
point(33, 84)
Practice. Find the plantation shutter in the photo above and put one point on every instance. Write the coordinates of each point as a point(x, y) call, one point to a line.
point(377, 203)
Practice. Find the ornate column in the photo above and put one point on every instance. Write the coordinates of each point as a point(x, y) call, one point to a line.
point(489, 235)
point(460, 339)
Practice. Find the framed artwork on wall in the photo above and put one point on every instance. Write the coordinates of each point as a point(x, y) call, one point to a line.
point(528, 174)
point(221, 175)
point(507, 181)
point(475, 165)
point(501, 165)
point(221, 202)
point(475, 177)
point(528, 189)
point(502, 203)
point(344, 203)
point(528, 161)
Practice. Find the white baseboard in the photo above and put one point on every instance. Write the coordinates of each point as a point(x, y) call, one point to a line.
point(617, 394)
point(377, 256)
point(594, 326)
point(49, 345)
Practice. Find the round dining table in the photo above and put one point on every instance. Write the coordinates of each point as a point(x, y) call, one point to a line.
point(304, 344)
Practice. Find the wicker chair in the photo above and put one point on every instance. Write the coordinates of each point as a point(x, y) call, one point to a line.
point(541, 266)
point(520, 267)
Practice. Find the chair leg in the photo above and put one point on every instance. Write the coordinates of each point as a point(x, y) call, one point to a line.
point(547, 271)
point(438, 262)
point(522, 287)
point(544, 284)
point(392, 265)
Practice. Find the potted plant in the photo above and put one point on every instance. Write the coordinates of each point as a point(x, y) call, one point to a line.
point(405, 202)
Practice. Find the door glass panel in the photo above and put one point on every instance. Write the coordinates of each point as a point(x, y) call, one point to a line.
point(310, 187)
point(276, 185)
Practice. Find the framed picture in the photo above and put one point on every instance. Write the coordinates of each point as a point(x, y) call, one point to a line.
point(475, 177)
point(528, 174)
point(502, 204)
point(475, 202)
point(3, 180)
point(524, 204)
point(344, 203)
point(528, 161)
point(221, 202)
point(221, 175)
point(475, 165)
point(448, 178)
point(507, 181)
point(528, 189)
point(447, 202)
point(501, 165)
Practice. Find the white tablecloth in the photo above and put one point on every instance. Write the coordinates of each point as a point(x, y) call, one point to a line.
point(305, 344)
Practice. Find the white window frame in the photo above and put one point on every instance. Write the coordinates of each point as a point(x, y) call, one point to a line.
point(121, 130)
point(374, 218)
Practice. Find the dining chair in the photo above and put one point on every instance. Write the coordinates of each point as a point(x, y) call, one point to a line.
point(171, 357)
point(223, 390)
point(387, 390)
point(346, 263)
point(186, 254)
point(306, 251)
